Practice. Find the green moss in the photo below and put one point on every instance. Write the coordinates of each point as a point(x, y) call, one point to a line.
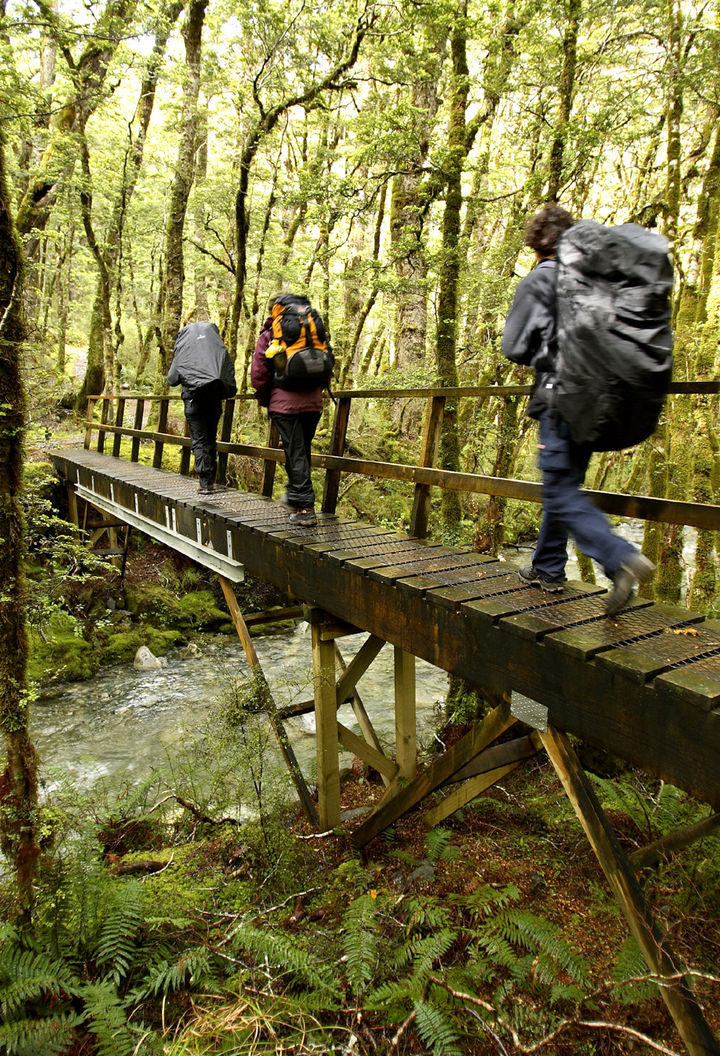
point(155, 603)
point(200, 610)
point(196, 610)
point(121, 646)
point(62, 655)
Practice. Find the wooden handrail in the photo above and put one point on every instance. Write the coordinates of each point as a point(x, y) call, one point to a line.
point(423, 476)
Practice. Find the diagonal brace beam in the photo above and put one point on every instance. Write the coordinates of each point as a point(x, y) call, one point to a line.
point(437, 774)
point(674, 988)
point(269, 704)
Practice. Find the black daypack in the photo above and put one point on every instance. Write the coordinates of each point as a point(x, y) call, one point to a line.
point(614, 358)
point(300, 350)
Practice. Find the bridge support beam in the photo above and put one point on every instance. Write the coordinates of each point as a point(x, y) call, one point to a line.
point(326, 729)
point(267, 698)
point(673, 986)
point(330, 694)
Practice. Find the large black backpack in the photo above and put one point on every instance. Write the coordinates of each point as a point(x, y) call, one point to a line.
point(614, 358)
point(300, 350)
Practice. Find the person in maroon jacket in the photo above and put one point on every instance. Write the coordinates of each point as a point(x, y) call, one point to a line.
point(296, 415)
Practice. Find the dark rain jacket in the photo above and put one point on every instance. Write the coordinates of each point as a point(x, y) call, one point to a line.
point(529, 337)
point(202, 366)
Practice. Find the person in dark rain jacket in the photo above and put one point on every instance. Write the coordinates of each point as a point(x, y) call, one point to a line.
point(529, 338)
point(296, 415)
point(202, 366)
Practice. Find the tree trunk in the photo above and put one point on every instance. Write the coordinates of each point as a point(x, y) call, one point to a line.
point(567, 84)
point(18, 784)
point(171, 296)
point(408, 208)
point(101, 347)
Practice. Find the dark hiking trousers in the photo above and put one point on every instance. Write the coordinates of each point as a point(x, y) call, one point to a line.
point(203, 422)
point(296, 433)
point(567, 511)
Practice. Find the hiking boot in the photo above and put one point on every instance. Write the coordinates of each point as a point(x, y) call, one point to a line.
point(205, 489)
point(306, 518)
point(636, 569)
point(533, 577)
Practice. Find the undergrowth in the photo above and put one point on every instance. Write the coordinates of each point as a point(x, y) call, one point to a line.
point(196, 915)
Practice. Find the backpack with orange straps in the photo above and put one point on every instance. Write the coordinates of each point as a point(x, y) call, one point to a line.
point(300, 351)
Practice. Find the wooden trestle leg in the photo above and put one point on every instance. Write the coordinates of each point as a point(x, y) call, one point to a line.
point(268, 702)
point(676, 993)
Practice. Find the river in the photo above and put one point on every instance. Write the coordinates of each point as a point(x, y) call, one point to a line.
point(123, 723)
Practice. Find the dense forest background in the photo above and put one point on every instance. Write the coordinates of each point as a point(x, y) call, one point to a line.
point(382, 157)
point(163, 159)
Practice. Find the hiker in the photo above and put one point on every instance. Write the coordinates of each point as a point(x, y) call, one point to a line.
point(202, 366)
point(529, 338)
point(295, 411)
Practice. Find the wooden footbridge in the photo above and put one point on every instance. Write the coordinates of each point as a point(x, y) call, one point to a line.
point(644, 685)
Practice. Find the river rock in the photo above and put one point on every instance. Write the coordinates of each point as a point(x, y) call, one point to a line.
point(145, 660)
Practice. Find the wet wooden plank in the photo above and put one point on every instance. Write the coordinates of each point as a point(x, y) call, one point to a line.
point(629, 626)
point(645, 660)
point(697, 684)
point(571, 611)
point(531, 601)
point(453, 597)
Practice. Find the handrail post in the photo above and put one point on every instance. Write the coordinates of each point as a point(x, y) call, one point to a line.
point(91, 401)
point(104, 419)
point(162, 428)
point(338, 439)
point(119, 416)
point(434, 412)
point(138, 424)
point(225, 435)
point(269, 463)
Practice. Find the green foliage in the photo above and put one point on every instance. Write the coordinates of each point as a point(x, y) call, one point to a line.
point(633, 983)
point(438, 846)
point(360, 941)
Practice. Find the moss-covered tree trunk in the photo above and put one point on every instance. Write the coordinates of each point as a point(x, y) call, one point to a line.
point(171, 295)
point(18, 784)
point(567, 84)
point(669, 470)
point(449, 274)
point(408, 207)
point(100, 358)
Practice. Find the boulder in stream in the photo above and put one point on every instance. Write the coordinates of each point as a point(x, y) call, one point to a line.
point(145, 660)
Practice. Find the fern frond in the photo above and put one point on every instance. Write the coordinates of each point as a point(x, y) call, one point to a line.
point(360, 941)
point(425, 913)
point(485, 900)
point(393, 996)
point(192, 969)
point(438, 847)
point(116, 945)
point(282, 952)
point(38, 1037)
point(630, 975)
point(436, 1030)
point(430, 950)
point(106, 1018)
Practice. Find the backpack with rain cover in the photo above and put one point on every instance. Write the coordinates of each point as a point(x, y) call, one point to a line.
point(614, 343)
point(299, 350)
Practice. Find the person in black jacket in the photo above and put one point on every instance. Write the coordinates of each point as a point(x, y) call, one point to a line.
point(202, 366)
point(529, 338)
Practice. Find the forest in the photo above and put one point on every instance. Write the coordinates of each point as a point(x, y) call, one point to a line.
point(172, 159)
